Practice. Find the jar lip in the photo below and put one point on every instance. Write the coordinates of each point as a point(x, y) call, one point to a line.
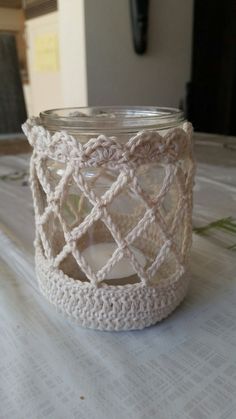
point(111, 118)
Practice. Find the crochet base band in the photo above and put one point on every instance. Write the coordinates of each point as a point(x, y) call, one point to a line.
point(110, 307)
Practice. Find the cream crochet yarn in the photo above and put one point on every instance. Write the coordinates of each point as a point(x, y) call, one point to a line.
point(161, 285)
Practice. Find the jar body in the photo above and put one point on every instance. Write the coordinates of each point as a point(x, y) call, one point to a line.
point(126, 210)
point(118, 213)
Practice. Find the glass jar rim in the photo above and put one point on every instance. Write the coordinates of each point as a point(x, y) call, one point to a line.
point(111, 118)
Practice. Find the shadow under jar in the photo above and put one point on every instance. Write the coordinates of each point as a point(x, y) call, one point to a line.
point(112, 190)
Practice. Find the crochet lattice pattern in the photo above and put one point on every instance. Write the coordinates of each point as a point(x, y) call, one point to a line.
point(89, 298)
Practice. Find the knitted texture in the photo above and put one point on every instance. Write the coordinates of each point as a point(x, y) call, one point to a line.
point(65, 276)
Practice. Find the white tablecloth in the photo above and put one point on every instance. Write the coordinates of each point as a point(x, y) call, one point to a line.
point(184, 367)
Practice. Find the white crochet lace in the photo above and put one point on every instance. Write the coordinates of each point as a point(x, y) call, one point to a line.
point(95, 303)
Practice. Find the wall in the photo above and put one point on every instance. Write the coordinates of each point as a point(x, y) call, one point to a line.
point(116, 75)
point(67, 84)
point(45, 83)
point(72, 52)
point(98, 65)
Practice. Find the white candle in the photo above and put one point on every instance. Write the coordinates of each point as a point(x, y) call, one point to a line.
point(97, 256)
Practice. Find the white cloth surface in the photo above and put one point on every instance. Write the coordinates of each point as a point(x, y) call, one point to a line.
point(182, 368)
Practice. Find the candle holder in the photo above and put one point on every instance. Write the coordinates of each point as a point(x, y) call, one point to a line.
point(112, 191)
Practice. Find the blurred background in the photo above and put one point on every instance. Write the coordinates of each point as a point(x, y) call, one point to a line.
point(58, 53)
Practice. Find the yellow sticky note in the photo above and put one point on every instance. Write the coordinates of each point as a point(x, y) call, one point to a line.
point(46, 53)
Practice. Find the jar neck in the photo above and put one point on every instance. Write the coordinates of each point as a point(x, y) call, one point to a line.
point(111, 120)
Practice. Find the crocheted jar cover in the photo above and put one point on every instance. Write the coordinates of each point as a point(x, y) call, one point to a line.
point(94, 302)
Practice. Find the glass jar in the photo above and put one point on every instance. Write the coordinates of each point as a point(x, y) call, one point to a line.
point(127, 208)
